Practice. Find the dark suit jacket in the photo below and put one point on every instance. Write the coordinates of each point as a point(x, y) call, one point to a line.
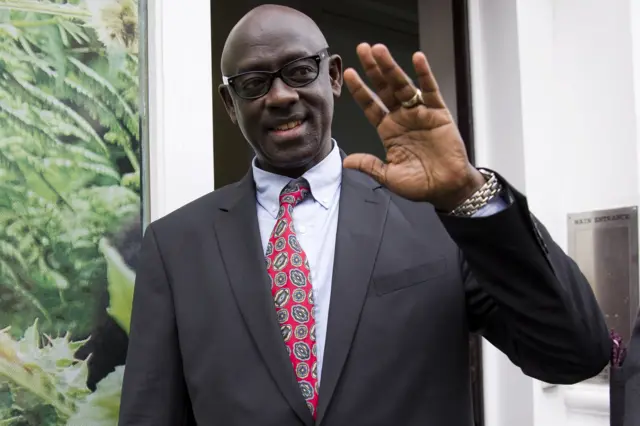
point(408, 288)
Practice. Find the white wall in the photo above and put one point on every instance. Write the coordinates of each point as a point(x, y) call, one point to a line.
point(498, 119)
point(556, 104)
point(180, 104)
point(634, 17)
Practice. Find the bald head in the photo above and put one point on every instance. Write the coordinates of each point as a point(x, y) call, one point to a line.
point(269, 23)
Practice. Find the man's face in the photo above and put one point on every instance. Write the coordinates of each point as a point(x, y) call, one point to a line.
point(288, 127)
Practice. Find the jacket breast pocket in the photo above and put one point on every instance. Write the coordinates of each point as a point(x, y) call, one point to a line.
point(425, 272)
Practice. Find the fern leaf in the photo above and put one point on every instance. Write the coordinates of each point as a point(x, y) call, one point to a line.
point(66, 163)
point(98, 110)
point(28, 242)
point(86, 154)
point(17, 57)
point(63, 10)
point(49, 277)
point(99, 169)
point(7, 161)
point(19, 121)
point(76, 32)
point(121, 105)
point(10, 278)
point(26, 46)
point(53, 103)
point(10, 252)
point(63, 36)
point(84, 98)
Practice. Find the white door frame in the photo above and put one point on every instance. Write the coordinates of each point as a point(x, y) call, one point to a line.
point(180, 152)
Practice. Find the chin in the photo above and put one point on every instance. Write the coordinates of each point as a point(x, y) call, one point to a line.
point(295, 156)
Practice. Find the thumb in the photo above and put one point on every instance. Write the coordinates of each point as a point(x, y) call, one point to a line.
point(369, 164)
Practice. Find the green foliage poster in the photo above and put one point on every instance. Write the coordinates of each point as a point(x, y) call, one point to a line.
point(70, 207)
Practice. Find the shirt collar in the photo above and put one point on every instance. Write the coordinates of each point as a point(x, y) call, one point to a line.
point(324, 179)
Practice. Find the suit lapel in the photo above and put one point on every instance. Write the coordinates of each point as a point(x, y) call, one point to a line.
point(362, 214)
point(238, 234)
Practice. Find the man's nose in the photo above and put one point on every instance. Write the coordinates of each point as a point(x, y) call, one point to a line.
point(281, 94)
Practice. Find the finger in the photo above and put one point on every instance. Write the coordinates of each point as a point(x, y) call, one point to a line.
point(401, 85)
point(378, 82)
point(369, 164)
point(428, 84)
point(372, 106)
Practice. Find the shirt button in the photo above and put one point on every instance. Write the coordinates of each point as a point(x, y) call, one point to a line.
point(302, 229)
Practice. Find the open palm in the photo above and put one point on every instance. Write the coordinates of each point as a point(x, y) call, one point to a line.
point(425, 155)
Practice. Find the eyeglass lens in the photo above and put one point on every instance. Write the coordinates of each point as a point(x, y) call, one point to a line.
point(295, 74)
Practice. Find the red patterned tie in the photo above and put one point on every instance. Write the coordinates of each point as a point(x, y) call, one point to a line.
point(288, 268)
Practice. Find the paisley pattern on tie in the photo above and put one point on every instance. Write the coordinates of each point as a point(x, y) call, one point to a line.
point(288, 269)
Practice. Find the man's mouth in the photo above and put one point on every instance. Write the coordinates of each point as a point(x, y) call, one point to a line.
point(288, 126)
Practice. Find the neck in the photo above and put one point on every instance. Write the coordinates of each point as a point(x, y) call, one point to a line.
point(297, 171)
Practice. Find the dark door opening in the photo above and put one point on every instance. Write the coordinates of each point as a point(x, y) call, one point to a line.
point(398, 24)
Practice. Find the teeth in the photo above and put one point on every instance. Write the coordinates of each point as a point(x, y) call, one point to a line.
point(289, 125)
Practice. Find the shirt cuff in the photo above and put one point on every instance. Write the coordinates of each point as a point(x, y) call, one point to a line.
point(494, 206)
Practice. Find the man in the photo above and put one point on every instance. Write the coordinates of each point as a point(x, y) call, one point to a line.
point(312, 293)
point(624, 389)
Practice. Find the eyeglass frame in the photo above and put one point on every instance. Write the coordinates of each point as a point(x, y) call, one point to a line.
point(318, 57)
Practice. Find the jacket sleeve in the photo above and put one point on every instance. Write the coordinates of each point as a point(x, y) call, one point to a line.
point(527, 297)
point(154, 391)
point(627, 401)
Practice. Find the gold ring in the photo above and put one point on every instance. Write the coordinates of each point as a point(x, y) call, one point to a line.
point(416, 100)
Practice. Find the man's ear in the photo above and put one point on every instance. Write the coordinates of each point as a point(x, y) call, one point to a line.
point(335, 74)
point(223, 89)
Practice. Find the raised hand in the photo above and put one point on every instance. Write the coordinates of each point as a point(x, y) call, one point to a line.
point(426, 158)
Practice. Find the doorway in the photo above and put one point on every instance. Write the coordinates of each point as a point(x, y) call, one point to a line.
point(437, 27)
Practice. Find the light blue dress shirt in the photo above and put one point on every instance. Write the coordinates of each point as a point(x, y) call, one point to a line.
point(316, 222)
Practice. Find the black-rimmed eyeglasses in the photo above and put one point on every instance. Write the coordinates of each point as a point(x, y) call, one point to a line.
point(255, 84)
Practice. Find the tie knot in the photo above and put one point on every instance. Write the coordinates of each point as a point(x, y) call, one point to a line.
point(295, 191)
